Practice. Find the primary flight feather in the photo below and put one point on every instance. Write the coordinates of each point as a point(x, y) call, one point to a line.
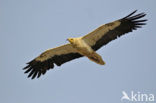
point(84, 46)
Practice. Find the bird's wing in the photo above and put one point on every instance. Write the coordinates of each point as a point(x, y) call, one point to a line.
point(108, 32)
point(47, 59)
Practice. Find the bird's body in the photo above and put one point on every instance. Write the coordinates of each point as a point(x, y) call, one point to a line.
point(84, 49)
point(84, 46)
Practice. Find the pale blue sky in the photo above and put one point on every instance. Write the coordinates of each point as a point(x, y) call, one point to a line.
point(28, 27)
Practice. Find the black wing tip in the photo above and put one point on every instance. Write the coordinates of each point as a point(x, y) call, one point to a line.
point(135, 17)
point(34, 69)
point(131, 14)
point(135, 21)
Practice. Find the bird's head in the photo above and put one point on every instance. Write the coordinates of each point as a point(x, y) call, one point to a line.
point(71, 40)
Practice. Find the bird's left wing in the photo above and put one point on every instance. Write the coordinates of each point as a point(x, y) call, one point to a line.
point(47, 59)
point(108, 32)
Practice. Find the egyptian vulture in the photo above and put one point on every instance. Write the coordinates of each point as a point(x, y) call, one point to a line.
point(84, 46)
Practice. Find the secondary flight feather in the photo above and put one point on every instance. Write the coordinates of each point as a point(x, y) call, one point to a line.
point(84, 46)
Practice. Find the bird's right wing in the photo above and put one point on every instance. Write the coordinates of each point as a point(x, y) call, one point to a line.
point(47, 59)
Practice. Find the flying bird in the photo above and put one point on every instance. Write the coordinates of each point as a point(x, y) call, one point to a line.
point(84, 46)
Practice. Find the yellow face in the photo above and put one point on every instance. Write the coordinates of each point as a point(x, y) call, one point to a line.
point(71, 40)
